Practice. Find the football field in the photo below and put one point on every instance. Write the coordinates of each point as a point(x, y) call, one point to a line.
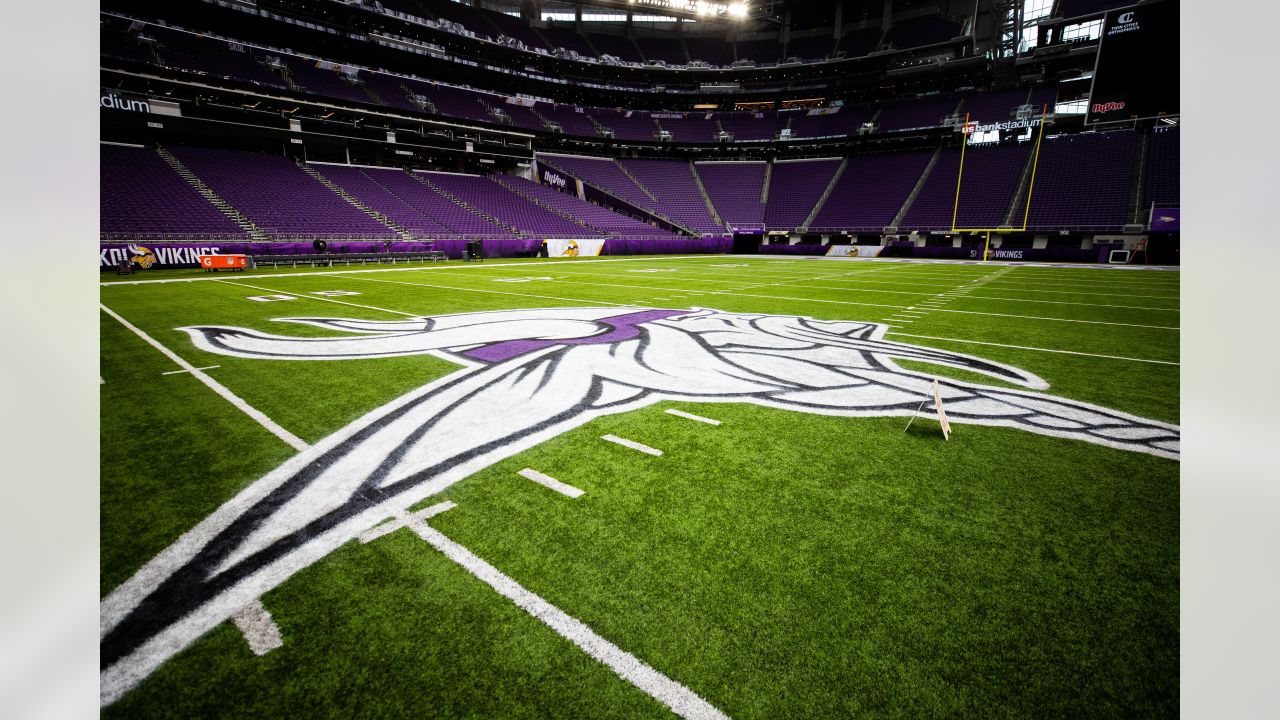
point(639, 488)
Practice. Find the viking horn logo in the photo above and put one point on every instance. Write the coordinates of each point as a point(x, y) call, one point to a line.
point(528, 376)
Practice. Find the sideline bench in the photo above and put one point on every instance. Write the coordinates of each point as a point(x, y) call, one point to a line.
point(331, 259)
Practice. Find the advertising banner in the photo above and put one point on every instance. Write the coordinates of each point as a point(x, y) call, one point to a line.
point(1165, 219)
point(557, 247)
point(853, 250)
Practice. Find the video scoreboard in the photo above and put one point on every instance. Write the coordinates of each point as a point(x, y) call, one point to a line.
point(1136, 75)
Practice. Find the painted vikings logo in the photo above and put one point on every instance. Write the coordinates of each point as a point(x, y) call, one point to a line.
point(528, 376)
point(143, 256)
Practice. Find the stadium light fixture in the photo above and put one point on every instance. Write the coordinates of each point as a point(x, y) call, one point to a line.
point(738, 10)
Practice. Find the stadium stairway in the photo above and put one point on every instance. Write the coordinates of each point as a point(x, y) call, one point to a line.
point(822, 200)
point(548, 124)
point(575, 220)
point(465, 205)
point(639, 184)
point(764, 189)
point(401, 230)
point(1138, 190)
point(706, 197)
point(216, 200)
point(374, 96)
point(601, 130)
point(915, 191)
point(1020, 192)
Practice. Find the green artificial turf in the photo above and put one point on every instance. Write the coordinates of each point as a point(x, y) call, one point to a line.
point(780, 565)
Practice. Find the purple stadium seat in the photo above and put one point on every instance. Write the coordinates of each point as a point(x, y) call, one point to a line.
point(1162, 167)
point(735, 189)
point(371, 186)
point(871, 191)
point(278, 196)
point(600, 218)
point(1083, 181)
point(991, 176)
point(603, 173)
point(671, 181)
point(794, 188)
point(141, 197)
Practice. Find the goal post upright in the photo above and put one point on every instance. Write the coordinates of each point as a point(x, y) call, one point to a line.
point(964, 140)
point(1026, 213)
point(1035, 162)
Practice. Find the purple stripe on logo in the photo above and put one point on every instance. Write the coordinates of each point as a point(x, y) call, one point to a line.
point(621, 327)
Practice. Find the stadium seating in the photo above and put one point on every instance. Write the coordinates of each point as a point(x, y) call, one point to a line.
point(453, 101)
point(278, 196)
point(735, 189)
point(912, 113)
point(600, 218)
point(844, 122)
point(673, 184)
point(569, 118)
point(370, 186)
point(692, 128)
point(763, 52)
point(141, 197)
point(443, 208)
point(989, 107)
point(1083, 181)
point(307, 75)
point(634, 126)
point(794, 188)
point(749, 126)
point(604, 174)
point(991, 176)
point(210, 56)
point(509, 208)
point(871, 191)
point(921, 31)
point(390, 89)
point(1162, 167)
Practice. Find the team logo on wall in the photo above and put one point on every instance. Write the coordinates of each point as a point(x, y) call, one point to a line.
point(529, 376)
point(142, 256)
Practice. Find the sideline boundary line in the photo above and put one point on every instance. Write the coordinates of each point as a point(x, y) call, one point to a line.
point(682, 701)
point(258, 416)
point(1035, 349)
point(853, 302)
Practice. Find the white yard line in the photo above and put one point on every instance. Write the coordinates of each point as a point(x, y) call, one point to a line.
point(175, 372)
point(261, 632)
point(631, 444)
point(691, 416)
point(391, 526)
point(930, 305)
point(551, 483)
point(1036, 349)
point(308, 296)
point(499, 292)
point(289, 438)
point(682, 701)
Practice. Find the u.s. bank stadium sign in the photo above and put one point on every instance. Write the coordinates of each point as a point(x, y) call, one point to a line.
point(975, 127)
point(111, 100)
